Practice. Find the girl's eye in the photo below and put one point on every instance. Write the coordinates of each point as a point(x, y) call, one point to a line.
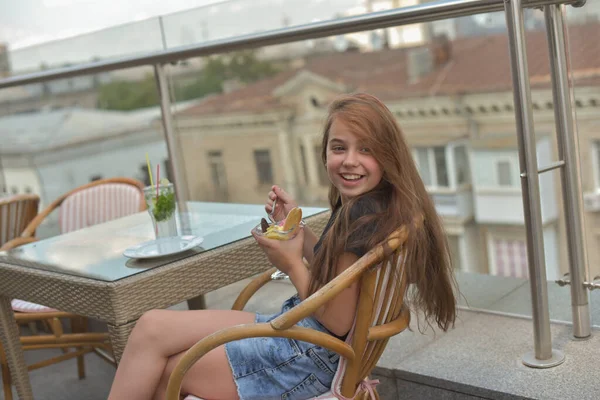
point(365, 150)
point(337, 148)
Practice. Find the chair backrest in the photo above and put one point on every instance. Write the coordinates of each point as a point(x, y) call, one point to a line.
point(100, 201)
point(16, 212)
point(381, 303)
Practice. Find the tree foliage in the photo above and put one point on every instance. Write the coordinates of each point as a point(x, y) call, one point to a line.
point(243, 66)
point(128, 95)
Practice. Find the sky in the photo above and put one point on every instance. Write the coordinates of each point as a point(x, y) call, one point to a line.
point(32, 28)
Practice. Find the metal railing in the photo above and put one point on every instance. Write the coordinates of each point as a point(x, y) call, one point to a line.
point(543, 355)
point(427, 12)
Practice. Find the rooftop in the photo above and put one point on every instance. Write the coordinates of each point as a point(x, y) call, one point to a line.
point(54, 129)
point(475, 65)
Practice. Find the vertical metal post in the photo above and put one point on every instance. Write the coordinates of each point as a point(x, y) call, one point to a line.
point(543, 356)
point(173, 147)
point(163, 37)
point(176, 160)
point(570, 174)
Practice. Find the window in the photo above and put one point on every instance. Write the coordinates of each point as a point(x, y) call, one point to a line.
point(503, 172)
point(433, 166)
point(440, 166)
point(323, 177)
point(262, 159)
point(167, 170)
point(461, 165)
point(144, 175)
point(216, 166)
point(304, 163)
point(509, 258)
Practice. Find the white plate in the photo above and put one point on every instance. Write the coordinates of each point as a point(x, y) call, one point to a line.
point(163, 247)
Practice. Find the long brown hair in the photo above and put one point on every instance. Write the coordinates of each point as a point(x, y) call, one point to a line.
point(399, 198)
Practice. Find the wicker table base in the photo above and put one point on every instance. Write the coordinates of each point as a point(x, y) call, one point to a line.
point(9, 334)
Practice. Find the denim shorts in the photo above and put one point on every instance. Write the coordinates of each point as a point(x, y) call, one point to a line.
point(280, 368)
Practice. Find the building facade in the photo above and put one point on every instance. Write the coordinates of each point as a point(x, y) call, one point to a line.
point(457, 115)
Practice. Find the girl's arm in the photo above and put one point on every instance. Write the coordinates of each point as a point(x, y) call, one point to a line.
point(337, 315)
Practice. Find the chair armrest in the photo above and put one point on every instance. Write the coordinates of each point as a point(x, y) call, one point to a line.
point(252, 288)
point(16, 242)
point(341, 282)
point(33, 225)
point(238, 332)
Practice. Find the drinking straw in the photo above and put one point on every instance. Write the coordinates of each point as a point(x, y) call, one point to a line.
point(157, 179)
point(149, 169)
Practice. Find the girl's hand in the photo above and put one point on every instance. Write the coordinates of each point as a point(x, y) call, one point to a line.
point(283, 254)
point(284, 205)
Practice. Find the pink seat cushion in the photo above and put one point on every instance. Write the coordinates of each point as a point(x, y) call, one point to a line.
point(26, 306)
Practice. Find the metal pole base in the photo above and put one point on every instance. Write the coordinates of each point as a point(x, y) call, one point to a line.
point(581, 339)
point(558, 357)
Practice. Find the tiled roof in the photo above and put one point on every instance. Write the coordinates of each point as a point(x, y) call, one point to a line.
point(256, 97)
point(479, 64)
point(29, 133)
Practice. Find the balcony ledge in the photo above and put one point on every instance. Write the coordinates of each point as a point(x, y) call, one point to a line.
point(481, 358)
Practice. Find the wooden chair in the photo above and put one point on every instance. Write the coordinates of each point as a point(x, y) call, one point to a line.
point(380, 315)
point(16, 212)
point(90, 204)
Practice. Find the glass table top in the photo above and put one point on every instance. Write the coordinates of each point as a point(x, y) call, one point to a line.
point(96, 252)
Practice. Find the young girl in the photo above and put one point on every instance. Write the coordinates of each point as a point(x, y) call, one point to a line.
point(375, 188)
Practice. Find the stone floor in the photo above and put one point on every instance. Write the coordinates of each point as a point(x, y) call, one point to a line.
point(479, 359)
point(60, 382)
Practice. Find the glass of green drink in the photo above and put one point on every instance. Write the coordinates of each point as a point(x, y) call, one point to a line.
point(162, 206)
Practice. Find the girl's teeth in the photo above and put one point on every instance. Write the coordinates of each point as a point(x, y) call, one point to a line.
point(351, 177)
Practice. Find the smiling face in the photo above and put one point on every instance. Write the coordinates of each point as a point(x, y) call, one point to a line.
point(351, 167)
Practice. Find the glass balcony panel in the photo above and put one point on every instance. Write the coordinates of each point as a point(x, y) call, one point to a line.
point(456, 140)
point(584, 72)
point(248, 119)
point(57, 137)
point(136, 38)
point(211, 22)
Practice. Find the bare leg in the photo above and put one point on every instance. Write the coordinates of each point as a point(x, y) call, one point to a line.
point(209, 378)
point(161, 334)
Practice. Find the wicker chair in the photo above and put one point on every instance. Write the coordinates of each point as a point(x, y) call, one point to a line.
point(380, 315)
point(93, 203)
point(16, 212)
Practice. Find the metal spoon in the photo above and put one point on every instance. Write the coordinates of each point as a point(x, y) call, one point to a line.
point(277, 275)
point(271, 217)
